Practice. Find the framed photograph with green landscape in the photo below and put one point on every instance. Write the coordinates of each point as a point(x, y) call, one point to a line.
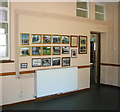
point(65, 39)
point(46, 50)
point(46, 39)
point(56, 50)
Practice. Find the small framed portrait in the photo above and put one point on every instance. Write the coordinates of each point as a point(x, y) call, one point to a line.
point(74, 53)
point(25, 38)
point(56, 50)
point(56, 39)
point(65, 39)
point(56, 61)
point(46, 39)
point(65, 50)
point(24, 65)
point(36, 62)
point(46, 50)
point(24, 51)
point(36, 38)
point(36, 50)
point(46, 62)
point(73, 41)
point(66, 61)
point(82, 49)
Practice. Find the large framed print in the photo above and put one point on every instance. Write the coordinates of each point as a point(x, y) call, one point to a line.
point(73, 41)
point(36, 62)
point(24, 51)
point(46, 62)
point(24, 65)
point(56, 61)
point(46, 39)
point(46, 50)
point(36, 50)
point(66, 61)
point(36, 38)
point(65, 50)
point(74, 53)
point(56, 50)
point(82, 49)
point(56, 39)
point(25, 37)
point(65, 39)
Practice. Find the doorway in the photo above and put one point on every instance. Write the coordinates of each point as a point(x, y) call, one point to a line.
point(95, 58)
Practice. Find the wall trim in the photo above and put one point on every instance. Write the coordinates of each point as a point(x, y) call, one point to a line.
point(27, 72)
point(85, 66)
point(109, 64)
point(7, 73)
point(7, 61)
point(46, 97)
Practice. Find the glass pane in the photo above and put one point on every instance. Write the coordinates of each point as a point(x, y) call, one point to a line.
point(82, 5)
point(2, 39)
point(4, 26)
point(3, 3)
point(99, 8)
point(81, 13)
point(3, 51)
point(99, 16)
point(3, 15)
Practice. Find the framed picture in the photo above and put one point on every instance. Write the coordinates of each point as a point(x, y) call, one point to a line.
point(46, 50)
point(66, 61)
point(36, 50)
point(56, 62)
point(56, 39)
point(24, 51)
point(65, 49)
point(36, 38)
point(73, 41)
point(24, 65)
point(25, 38)
point(46, 39)
point(74, 53)
point(56, 50)
point(65, 39)
point(82, 49)
point(46, 62)
point(36, 62)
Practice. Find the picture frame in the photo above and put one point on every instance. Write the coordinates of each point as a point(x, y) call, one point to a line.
point(24, 65)
point(66, 61)
point(24, 51)
point(46, 38)
point(46, 62)
point(46, 50)
point(65, 39)
point(36, 38)
point(25, 38)
point(36, 62)
point(56, 50)
point(74, 53)
point(65, 49)
point(82, 49)
point(73, 41)
point(56, 61)
point(56, 39)
point(36, 50)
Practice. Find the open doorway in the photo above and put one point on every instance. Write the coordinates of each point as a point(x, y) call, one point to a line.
point(95, 58)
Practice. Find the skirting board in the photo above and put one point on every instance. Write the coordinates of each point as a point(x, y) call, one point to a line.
point(46, 97)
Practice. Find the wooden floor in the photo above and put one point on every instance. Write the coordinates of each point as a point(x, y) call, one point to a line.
point(97, 98)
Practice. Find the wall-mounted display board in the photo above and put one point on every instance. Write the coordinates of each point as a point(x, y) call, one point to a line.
point(73, 41)
point(82, 49)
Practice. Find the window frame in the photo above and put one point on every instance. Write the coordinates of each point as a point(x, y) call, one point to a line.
point(8, 34)
point(82, 9)
point(104, 13)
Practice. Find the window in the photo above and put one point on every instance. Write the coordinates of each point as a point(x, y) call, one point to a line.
point(82, 9)
point(4, 30)
point(99, 12)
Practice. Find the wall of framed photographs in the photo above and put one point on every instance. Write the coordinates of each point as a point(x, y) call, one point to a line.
point(48, 50)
